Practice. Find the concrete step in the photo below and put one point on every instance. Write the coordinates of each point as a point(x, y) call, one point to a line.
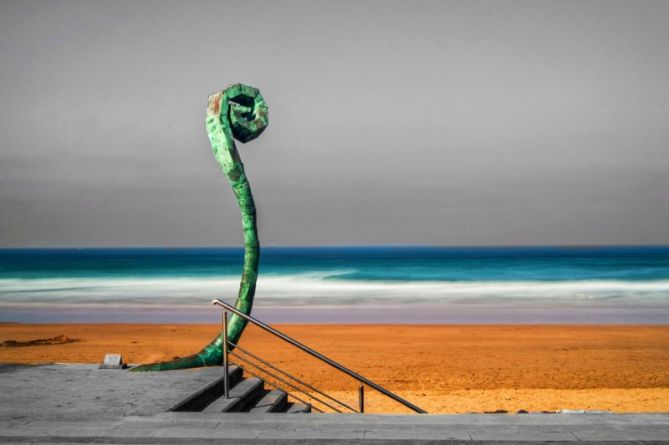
point(242, 396)
point(296, 408)
point(273, 401)
point(203, 397)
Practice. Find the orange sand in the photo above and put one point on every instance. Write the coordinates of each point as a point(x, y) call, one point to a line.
point(441, 368)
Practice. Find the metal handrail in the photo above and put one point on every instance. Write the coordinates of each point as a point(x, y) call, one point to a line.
point(249, 362)
point(288, 393)
point(290, 376)
point(308, 350)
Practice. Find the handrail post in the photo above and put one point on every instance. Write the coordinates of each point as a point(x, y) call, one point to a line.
point(226, 384)
point(361, 398)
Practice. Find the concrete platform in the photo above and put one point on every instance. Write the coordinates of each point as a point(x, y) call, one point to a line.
point(81, 404)
point(83, 392)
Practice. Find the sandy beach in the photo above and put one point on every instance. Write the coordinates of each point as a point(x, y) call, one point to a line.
point(442, 368)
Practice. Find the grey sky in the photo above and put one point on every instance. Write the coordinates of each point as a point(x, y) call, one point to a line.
point(449, 123)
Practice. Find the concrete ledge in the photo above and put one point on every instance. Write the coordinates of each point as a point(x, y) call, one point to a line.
point(241, 428)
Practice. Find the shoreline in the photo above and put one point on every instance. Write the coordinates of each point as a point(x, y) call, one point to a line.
point(443, 368)
point(352, 324)
point(453, 313)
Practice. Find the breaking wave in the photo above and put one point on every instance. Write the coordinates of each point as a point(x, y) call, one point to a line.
point(318, 289)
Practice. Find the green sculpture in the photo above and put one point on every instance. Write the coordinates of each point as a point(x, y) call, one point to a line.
point(238, 112)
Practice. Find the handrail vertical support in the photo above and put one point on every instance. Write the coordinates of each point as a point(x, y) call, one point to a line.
point(226, 384)
point(361, 397)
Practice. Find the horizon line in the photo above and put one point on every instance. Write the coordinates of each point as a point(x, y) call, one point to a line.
point(347, 246)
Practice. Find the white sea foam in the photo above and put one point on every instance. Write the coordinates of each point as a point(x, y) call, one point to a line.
point(318, 289)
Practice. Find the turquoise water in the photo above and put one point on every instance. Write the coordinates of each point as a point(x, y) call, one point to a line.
point(398, 284)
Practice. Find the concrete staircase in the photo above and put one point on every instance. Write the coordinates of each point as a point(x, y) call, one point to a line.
point(247, 395)
point(81, 404)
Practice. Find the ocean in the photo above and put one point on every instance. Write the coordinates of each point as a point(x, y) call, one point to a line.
point(390, 284)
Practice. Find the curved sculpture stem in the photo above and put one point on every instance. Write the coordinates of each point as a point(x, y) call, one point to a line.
point(238, 112)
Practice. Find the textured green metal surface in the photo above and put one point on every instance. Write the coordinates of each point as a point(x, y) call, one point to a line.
point(238, 112)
